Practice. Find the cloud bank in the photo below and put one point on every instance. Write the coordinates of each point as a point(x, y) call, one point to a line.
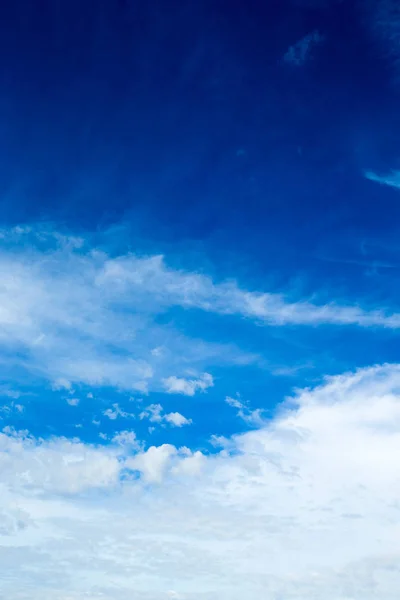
point(304, 507)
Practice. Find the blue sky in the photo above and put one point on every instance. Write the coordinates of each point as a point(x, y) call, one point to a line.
point(199, 300)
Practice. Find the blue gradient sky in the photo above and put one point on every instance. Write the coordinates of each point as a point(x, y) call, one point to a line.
point(179, 129)
point(195, 227)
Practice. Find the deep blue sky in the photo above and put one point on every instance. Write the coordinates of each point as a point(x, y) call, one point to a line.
point(178, 128)
point(138, 111)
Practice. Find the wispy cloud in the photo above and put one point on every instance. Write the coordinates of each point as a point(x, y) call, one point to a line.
point(168, 287)
point(270, 515)
point(115, 412)
point(188, 387)
point(302, 50)
point(75, 315)
point(384, 22)
point(391, 179)
point(12, 407)
point(253, 417)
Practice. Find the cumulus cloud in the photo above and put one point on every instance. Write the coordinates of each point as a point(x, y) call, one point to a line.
point(128, 439)
point(188, 387)
point(154, 463)
point(155, 414)
point(177, 420)
point(304, 507)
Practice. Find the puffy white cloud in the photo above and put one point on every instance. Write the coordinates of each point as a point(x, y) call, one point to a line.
point(155, 414)
point(176, 419)
point(188, 387)
point(153, 463)
point(305, 507)
point(127, 438)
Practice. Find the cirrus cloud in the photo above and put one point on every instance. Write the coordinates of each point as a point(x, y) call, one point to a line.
point(72, 314)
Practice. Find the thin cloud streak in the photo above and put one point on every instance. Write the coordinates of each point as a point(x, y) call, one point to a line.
point(83, 317)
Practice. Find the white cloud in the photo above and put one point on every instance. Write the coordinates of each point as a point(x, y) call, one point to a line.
point(154, 463)
point(155, 414)
point(176, 419)
point(166, 287)
point(115, 412)
point(73, 401)
point(61, 384)
point(127, 438)
point(254, 418)
point(188, 387)
point(79, 316)
point(12, 407)
point(305, 507)
point(57, 466)
point(235, 402)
